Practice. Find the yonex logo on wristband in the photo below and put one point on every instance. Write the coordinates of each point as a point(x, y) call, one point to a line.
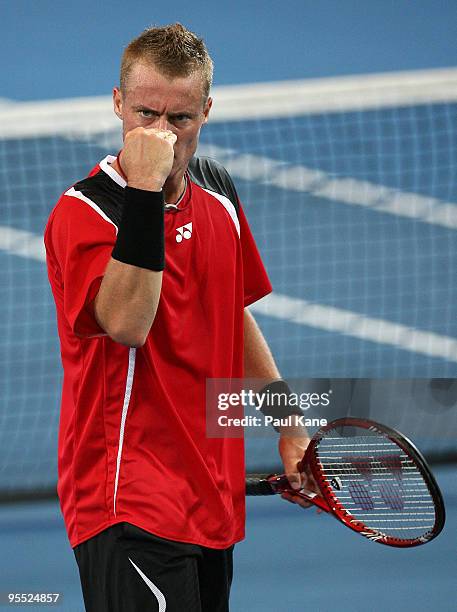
point(185, 231)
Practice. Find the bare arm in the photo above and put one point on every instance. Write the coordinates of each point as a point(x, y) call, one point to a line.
point(127, 301)
point(293, 441)
point(258, 360)
point(126, 304)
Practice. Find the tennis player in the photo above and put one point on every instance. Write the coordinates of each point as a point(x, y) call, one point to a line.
point(152, 266)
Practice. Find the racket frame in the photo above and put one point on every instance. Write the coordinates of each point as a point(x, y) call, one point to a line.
point(333, 505)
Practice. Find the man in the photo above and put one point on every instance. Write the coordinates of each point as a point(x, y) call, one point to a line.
point(152, 265)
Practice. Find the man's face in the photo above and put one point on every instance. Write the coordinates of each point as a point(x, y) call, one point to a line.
point(152, 100)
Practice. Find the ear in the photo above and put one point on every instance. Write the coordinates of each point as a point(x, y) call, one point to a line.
point(207, 108)
point(117, 102)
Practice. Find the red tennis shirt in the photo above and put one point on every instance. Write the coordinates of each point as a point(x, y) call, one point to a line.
point(132, 443)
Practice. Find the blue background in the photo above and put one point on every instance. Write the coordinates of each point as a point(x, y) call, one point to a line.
point(55, 50)
point(61, 49)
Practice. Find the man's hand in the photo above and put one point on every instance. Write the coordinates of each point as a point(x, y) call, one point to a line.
point(293, 443)
point(147, 157)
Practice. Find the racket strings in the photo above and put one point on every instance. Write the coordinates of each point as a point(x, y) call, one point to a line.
point(377, 484)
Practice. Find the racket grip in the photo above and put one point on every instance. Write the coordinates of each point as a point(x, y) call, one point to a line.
point(257, 484)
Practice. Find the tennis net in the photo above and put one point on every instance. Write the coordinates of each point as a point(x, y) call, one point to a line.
point(349, 185)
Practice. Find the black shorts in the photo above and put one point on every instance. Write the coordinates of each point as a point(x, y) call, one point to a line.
point(126, 569)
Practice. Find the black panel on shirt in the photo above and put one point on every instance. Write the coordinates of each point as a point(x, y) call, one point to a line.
point(207, 173)
point(105, 193)
point(210, 174)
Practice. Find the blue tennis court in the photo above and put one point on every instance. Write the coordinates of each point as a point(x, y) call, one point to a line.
point(354, 210)
point(292, 559)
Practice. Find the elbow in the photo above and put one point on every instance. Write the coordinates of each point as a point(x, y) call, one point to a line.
point(129, 340)
point(132, 338)
point(125, 328)
point(123, 333)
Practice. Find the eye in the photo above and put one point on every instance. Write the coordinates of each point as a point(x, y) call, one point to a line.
point(180, 118)
point(147, 114)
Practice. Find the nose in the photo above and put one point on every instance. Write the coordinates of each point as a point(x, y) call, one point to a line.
point(162, 123)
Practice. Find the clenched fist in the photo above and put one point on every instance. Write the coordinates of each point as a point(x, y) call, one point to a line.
point(147, 157)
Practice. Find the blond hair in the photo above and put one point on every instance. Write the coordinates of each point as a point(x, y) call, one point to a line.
point(174, 50)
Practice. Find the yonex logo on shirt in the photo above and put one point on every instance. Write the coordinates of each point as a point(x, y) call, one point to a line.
point(184, 231)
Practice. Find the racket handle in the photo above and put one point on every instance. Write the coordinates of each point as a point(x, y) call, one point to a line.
point(257, 484)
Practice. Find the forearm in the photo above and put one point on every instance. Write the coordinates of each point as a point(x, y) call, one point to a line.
point(127, 301)
point(258, 359)
point(259, 363)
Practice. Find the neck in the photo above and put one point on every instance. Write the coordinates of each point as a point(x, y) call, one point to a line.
point(172, 188)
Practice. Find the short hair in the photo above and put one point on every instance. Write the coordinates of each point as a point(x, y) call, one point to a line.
point(173, 49)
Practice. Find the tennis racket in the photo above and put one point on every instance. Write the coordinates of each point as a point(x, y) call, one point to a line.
point(371, 478)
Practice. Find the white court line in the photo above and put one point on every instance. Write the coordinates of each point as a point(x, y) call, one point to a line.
point(301, 179)
point(349, 323)
point(294, 310)
point(22, 243)
point(298, 178)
